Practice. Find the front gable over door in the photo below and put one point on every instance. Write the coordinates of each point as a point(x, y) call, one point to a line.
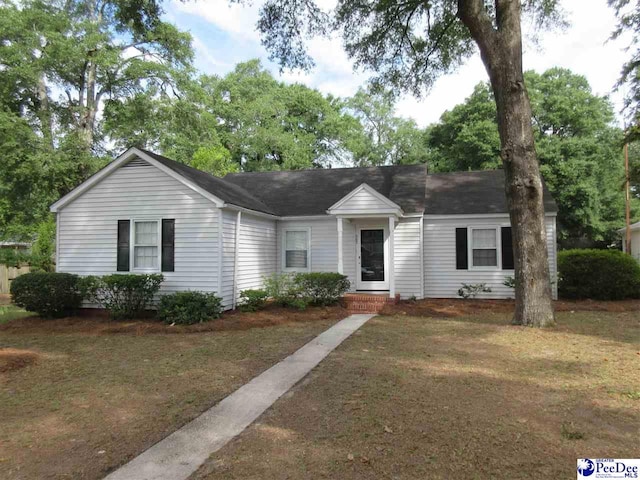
point(365, 201)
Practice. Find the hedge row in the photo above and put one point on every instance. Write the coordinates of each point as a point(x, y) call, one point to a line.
point(597, 274)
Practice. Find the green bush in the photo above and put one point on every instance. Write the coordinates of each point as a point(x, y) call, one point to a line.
point(598, 274)
point(49, 294)
point(322, 288)
point(187, 308)
point(285, 291)
point(252, 300)
point(123, 295)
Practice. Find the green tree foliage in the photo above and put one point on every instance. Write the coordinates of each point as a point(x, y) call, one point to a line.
point(59, 62)
point(628, 13)
point(578, 148)
point(262, 123)
point(385, 139)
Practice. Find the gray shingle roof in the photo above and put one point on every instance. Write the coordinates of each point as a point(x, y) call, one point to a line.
point(312, 192)
point(471, 193)
point(226, 191)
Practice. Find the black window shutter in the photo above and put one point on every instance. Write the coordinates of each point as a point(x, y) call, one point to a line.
point(168, 244)
point(123, 246)
point(507, 249)
point(462, 253)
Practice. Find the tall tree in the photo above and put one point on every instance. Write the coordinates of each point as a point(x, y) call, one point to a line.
point(68, 56)
point(409, 44)
point(628, 13)
point(59, 61)
point(386, 138)
point(578, 148)
point(262, 123)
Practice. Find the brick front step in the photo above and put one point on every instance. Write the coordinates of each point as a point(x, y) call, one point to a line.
point(368, 303)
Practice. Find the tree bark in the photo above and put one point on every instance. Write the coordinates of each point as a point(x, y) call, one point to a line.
point(501, 51)
point(44, 112)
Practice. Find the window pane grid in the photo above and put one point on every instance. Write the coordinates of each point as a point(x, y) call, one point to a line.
point(296, 249)
point(145, 245)
point(484, 247)
point(146, 233)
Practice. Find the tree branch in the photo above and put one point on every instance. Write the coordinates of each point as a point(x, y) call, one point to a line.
point(473, 15)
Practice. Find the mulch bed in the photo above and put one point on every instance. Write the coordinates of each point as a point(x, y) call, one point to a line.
point(441, 307)
point(98, 324)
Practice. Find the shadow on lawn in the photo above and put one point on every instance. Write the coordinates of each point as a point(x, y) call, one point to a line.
point(405, 399)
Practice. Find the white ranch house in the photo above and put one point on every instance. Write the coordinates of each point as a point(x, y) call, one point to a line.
point(395, 230)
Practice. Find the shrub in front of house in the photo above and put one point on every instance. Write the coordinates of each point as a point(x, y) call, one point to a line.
point(49, 294)
point(322, 288)
point(188, 308)
point(597, 274)
point(285, 291)
point(124, 295)
point(253, 300)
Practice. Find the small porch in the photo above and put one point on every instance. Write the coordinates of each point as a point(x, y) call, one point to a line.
point(373, 218)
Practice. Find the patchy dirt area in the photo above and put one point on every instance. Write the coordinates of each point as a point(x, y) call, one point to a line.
point(459, 397)
point(77, 401)
point(14, 359)
point(93, 324)
point(442, 307)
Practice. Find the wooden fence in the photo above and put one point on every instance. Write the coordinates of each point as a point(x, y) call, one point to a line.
point(7, 274)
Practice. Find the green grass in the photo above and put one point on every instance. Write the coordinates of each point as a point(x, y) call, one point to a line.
point(11, 312)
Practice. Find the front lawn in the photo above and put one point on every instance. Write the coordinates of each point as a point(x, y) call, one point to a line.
point(460, 397)
point(11, 312)
point(80, 396)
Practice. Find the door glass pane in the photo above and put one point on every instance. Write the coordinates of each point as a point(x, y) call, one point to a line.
point(372, 255)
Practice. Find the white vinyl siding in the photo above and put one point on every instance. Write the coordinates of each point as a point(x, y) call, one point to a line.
point(257, 252)
point(228, 256)
point(363, 202)
point(442, 280)
point(88, 226)
point(324, 244)
point(407, 260)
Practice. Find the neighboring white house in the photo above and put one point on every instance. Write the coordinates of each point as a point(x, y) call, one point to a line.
point(390, 229)
point(635, 240)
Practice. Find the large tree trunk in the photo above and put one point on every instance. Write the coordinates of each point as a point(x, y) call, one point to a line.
point(501, 51)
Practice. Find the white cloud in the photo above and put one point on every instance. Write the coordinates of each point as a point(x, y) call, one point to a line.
point(236, 19)
point(583, 48)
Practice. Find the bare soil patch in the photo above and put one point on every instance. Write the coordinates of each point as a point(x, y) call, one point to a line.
point(459, 397)
point(100, 324)
point(14, 359)
point(444, 307)
point(89, 400)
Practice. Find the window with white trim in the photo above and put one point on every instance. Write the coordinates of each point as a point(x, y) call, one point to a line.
point(145, 244)
point(484, 247)
point(296, 250)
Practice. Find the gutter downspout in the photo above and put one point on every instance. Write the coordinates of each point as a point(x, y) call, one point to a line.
point(220, 250)
point(236, 254)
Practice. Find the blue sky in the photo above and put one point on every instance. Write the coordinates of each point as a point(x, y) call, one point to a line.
point(224, 35)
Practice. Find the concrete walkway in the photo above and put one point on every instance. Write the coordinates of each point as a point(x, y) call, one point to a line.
point(181, 453)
